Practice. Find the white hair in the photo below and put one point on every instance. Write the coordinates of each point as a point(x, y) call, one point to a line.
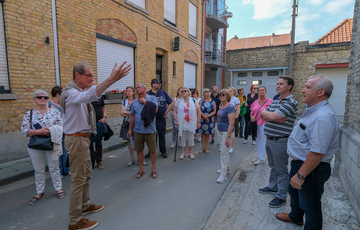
point(323, 83)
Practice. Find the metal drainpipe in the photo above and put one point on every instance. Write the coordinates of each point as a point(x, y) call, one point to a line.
point(224, 59)
point(203, 48)
point(56, 48)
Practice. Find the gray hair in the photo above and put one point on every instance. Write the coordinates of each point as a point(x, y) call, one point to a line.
point(37, 92)
point(323, 83)
point(80, 68)
point(141, 85)
point(187, 89)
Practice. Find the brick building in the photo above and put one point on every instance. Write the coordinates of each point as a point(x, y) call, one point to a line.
point(43, 39)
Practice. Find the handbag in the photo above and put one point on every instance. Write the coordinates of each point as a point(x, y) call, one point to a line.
point(40, 142)
point(252, 126)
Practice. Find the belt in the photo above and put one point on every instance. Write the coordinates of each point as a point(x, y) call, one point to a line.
point(79, 134)
point(276, 138)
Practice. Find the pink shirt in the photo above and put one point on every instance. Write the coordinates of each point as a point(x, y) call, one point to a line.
point(255, 109)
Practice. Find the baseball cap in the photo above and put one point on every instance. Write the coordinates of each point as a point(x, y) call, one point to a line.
point(155, 81)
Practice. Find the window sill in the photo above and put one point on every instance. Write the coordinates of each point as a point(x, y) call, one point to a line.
point(137, 7)
point(193, 38)
point(114, 101)
point(171, 26)
point(8, 96)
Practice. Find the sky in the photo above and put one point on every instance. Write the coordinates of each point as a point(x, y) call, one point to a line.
point(253, 18)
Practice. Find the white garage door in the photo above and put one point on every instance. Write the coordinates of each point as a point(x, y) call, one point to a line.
point(189, 76)
point(338, 76)
point(107, 54)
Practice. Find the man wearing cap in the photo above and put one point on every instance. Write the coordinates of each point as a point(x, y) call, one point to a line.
point(162, 98)
point(79, 122)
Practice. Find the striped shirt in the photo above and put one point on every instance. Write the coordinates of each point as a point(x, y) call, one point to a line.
point(286, 107)
point(317, 131)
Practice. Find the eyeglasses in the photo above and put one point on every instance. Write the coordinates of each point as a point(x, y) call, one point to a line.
point(222, 95)
point(207, 91)
point(89, 75)
point(42, 97)
point(183, 91)
point(139, 87)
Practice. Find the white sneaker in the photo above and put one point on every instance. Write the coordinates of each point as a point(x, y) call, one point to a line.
point(231, 150)
point(258, 162)
point(255, 159)
point(253, 142)
point(173, 145)
point(245, 141)
point(198, 139)
point(219, 171)
point(221, 179)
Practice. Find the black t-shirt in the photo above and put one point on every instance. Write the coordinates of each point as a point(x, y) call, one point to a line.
point(217, 101)
point(251, 100)
point(98, 105)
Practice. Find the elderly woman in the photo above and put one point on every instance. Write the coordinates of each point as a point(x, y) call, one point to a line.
point(226, 121)
point(175, 130)
point(42, 119)
point(208, 110)
point(187, 117)
point(236, 103)
point(259, 105)
point(251, 97)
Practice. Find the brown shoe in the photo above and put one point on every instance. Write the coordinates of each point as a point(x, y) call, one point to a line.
point(93, 208)
point(84, 224)
point(100, 166)
point(285, 217)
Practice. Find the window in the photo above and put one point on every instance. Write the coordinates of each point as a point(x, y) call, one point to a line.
point(242, 74)
point(170, 11)
point(4, 76)
point(256, 74)
point(258, 82)
point(174, 68)
point(140, 3)
point(192, 19)
point(189, 75)
point(241, 82)
point(273, 73)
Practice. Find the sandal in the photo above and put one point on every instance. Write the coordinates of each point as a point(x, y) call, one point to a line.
point(182, 156)
point(35, 199)
point(130, 163)
point(201, 151)
point(207, 151)
point(60, 195)
point(154, 174)
point(139, 174)
point(192, 157)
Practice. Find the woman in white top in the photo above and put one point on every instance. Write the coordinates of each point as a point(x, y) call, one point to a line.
point(236, 103)
point(187, 117)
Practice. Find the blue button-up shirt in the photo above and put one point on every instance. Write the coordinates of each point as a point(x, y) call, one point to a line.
point(317, 131)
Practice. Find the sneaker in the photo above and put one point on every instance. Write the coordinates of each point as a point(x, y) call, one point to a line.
point(164, 155)
point(241, 136)
point(258, 162)
point(84, 224)
point(255, 159)
point(173, 145)
point(198, 139)
point(231, 150)
point(212, 142)
point(277, 202)
point(266, 190)
point(100, 166)
point(221, 179)
point(253, 142)
point(130, 163)
point(219, 171)
point(147, 155)
point(245, 141)
point(144, 163)
point(93, 208)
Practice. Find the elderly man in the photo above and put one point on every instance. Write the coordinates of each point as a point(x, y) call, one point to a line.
point(311, 145)
point(79, 122)
point(143, 119)
point(280, 117)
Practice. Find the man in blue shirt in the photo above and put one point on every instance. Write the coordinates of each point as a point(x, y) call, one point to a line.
point(143, 133)
point(311, 145)
point(163, 100)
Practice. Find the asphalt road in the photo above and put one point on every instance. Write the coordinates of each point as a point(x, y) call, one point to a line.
point(182, 197)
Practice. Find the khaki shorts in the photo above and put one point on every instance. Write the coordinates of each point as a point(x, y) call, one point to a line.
point(149, 139)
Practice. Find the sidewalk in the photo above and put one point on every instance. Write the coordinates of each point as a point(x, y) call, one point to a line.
point(242, 207)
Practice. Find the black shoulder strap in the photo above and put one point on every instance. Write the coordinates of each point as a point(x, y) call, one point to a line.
point(31, 112)
point(49, 105)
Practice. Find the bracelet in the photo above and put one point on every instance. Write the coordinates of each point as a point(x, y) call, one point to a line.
point(199, 121)
point(228, 136)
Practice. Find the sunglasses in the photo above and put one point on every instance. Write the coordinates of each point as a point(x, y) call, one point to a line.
point(183, 91)
point(222, 95)
point(207, 91)
point(255, 88)
point(42, 97)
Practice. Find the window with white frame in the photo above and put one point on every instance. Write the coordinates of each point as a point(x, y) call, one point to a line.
point(4, 77)
point(170, 11)
point(189, 75)
point(140, 3)
point(192, 19)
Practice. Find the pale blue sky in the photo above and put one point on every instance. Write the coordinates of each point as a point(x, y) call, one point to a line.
point(253, 18)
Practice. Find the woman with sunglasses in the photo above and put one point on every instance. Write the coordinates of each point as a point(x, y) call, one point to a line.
point(43, 118)
point(226, 121)
point(259, 105)
point(208, 110)
point(187, 117)
point(236, 103)
point(175, 130)
point(195, 95)
point(251, 97)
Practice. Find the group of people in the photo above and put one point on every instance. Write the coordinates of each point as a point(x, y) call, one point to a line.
point(270, 122)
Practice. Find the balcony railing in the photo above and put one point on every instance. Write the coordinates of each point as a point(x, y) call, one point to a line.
point(214, 55)
point(217, 8)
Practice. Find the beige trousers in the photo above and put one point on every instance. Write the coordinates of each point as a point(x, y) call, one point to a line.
point(81, 172)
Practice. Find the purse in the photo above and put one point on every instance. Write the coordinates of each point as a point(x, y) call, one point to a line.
point(252, 126)
point(40, 142)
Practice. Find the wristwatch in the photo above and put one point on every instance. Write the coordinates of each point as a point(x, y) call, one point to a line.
point(301, 177)
point(105, 117)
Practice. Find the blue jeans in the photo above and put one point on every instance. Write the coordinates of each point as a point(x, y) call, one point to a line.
point(241, 123)
point(62, 160)
point(308, 199)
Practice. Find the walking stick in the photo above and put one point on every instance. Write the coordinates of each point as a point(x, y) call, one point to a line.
point(176, 145)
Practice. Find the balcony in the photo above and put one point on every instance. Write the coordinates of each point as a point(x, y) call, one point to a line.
point(216, 13)
point(215, 57)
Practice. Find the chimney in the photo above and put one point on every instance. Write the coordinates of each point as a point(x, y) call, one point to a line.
point(236, 37)
point(272, 39)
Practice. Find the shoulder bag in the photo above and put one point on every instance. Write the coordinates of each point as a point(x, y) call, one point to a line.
point(40, 142)
point(252, 126)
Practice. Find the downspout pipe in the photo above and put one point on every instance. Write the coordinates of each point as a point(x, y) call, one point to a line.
point(56, 47)
point(203, 47)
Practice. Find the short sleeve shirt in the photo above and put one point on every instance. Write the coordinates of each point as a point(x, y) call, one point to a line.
point(223, 120)
point(136, 109)
point(98, 105)
point(162, 98)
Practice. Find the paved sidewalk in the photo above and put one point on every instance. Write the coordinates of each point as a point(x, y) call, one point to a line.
point(242, 207)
